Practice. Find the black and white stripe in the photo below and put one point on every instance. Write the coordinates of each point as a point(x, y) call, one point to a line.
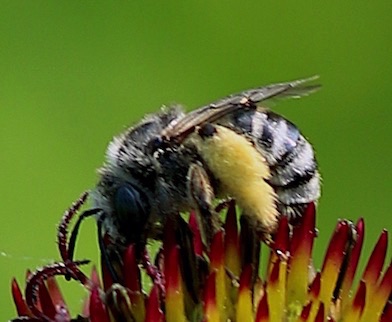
point(291, 159)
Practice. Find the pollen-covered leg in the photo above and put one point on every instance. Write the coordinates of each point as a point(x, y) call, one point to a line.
point(202, 194)
point(242, 173)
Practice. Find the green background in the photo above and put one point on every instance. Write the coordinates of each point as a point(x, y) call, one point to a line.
point(75, 73)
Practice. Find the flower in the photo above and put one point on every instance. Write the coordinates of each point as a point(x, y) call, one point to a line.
point(222, 283)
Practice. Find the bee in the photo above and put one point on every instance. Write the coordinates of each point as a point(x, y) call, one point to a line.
point(173, 162)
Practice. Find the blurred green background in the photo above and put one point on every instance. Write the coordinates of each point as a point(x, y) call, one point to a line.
point(75, 73)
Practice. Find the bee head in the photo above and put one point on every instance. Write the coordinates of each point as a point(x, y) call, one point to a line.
point(127, 190)
point(125, 208)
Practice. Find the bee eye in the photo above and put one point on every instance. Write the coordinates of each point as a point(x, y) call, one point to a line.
point(132, 211)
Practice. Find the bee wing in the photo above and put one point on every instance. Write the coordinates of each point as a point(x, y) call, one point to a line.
point(248, 99)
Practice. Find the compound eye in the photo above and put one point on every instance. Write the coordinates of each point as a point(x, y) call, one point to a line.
point(131, 210)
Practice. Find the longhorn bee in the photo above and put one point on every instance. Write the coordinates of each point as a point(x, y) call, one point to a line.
point(173, 162)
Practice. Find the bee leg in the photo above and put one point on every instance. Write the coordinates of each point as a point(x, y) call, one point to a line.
point(202, 194)
point(75, 230)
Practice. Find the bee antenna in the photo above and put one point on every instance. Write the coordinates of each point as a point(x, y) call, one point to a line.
point(62, 230)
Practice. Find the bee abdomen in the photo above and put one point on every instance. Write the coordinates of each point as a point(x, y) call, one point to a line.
point(277, 137)
point(296, 167)
point(293, 166)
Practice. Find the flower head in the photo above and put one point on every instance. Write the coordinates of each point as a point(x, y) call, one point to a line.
point(223, 282)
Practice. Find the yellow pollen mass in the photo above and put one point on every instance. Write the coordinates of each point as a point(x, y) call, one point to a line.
point(241, 171)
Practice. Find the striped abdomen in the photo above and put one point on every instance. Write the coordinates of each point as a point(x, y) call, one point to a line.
point(293, 166)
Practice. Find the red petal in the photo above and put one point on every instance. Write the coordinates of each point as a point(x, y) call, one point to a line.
point(172, 271)
point(197, 241)
point(320, 313)
point(211, 312)
point(217, 251)
point(360, 297)
point(217, 264)
point(175, 310)
point(106, 277)
point(246, 278)
point(169, 238)
point(57, 298)
point(154, 312)
point(131, 270)
point(281, 244)
point(20, 304)
point(314, 289)
point(244, 299)
point(94, 277)
point(47, 305)
point(301, 246)
point(376, 260)
point(385, 288)
point(333, 260)
point(353, 263)
point(303, 235)
point(276, 289)
point(377, 296)
point(55, 292)
point(335, 251)
point(131, 274)
point(387, 315)
point(98, 311)
point(262, 314)
point(306, 311)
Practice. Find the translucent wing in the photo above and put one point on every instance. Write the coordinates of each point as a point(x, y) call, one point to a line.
point(248, 99)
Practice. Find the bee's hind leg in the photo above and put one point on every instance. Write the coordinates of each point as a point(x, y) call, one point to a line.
point(202, 195)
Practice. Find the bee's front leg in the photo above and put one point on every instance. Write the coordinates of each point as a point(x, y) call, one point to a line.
point(201, 194)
